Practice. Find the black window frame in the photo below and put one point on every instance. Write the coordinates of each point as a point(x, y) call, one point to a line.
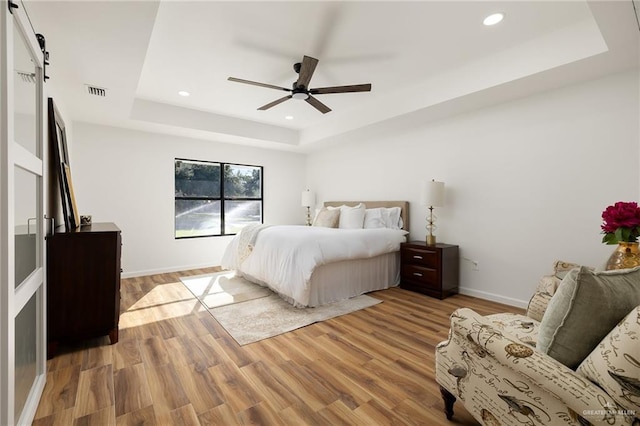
point(221, 198)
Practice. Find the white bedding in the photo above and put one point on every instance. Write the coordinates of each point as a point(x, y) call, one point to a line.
point(284, 257)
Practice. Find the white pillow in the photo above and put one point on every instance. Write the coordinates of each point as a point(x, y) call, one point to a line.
point(373, 218)
point(343, 206)
point(352, 217)
point(392, 217)
point(383, 218)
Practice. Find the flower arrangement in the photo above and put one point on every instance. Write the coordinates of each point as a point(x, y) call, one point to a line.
point(621, 223)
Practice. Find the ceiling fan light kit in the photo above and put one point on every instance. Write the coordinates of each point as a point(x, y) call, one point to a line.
point(300, 88)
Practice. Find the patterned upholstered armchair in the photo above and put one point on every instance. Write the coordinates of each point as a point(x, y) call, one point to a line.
point(492, 365)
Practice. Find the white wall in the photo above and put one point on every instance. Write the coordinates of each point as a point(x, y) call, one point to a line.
point(127, 177)
point(526, 181)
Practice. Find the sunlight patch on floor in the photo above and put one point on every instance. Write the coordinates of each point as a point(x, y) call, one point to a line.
point(162, 302)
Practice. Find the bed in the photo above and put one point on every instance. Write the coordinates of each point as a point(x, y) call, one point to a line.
point(312, 266)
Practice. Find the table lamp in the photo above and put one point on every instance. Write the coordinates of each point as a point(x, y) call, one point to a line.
point(308, 200)
point(433, 196)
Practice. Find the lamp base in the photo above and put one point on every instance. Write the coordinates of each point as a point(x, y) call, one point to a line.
point(431, 240)
point(308, 216)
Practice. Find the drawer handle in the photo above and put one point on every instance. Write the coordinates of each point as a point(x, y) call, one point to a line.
point(417, 274)
point(417, 257)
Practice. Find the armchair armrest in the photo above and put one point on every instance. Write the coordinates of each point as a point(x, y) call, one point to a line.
point(564, 384)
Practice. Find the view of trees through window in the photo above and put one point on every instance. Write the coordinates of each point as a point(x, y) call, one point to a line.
point(215, 198)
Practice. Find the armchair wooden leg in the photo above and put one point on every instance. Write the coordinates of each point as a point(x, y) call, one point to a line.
point(449, 399)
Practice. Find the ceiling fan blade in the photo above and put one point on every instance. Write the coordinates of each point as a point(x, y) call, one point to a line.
point(255, 83)
point(274, 103)
point(318, 105)
point(341, 89)
point(306, 71)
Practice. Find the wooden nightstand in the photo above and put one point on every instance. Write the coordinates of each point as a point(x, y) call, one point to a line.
point(431, 270)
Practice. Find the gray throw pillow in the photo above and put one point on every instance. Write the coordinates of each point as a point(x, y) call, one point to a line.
point(586, 307)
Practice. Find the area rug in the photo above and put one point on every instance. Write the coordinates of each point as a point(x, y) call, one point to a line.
point(261, 317)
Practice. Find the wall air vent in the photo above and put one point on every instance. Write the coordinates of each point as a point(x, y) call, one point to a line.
point(96, 91)
point(27, 77)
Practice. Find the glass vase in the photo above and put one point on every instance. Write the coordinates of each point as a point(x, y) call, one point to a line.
point(626, 255)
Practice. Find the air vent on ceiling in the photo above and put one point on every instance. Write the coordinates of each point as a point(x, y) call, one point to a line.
point(96, 91)
point(27, 77)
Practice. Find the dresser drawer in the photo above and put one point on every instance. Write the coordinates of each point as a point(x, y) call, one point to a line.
point(419, 256)
point(420, 276)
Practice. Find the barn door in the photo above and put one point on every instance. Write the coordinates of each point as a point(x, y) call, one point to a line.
point(22, 265)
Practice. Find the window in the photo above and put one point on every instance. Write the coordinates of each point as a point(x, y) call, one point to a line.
point(216, 198)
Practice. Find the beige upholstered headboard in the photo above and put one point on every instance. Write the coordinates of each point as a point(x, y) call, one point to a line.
point(404, 207)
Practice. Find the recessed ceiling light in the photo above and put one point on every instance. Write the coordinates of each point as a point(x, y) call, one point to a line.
point(183, 93)
point(493, 19)
point(288, 117)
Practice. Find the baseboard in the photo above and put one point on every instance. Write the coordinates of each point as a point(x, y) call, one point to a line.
point(494, 297)
point(143, 273)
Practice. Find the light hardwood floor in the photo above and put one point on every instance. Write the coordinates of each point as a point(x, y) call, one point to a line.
point(174, 364)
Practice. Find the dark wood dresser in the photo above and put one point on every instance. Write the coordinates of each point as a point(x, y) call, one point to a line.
point(83, 284)
point(431, 270)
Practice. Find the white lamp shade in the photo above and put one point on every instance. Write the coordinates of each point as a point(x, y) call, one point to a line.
point(433, 194)
point(308, 198)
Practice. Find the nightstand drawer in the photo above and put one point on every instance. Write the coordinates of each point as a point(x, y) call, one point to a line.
point(420, 275)
point(419, 256)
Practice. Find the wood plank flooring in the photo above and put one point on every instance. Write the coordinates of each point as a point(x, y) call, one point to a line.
point(175, 365)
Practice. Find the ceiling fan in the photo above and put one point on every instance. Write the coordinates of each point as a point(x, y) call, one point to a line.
point(300, 88)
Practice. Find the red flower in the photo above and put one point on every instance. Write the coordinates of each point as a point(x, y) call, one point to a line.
point(621, 222)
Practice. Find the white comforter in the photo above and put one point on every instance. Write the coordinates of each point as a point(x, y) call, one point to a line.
point(284, 257)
